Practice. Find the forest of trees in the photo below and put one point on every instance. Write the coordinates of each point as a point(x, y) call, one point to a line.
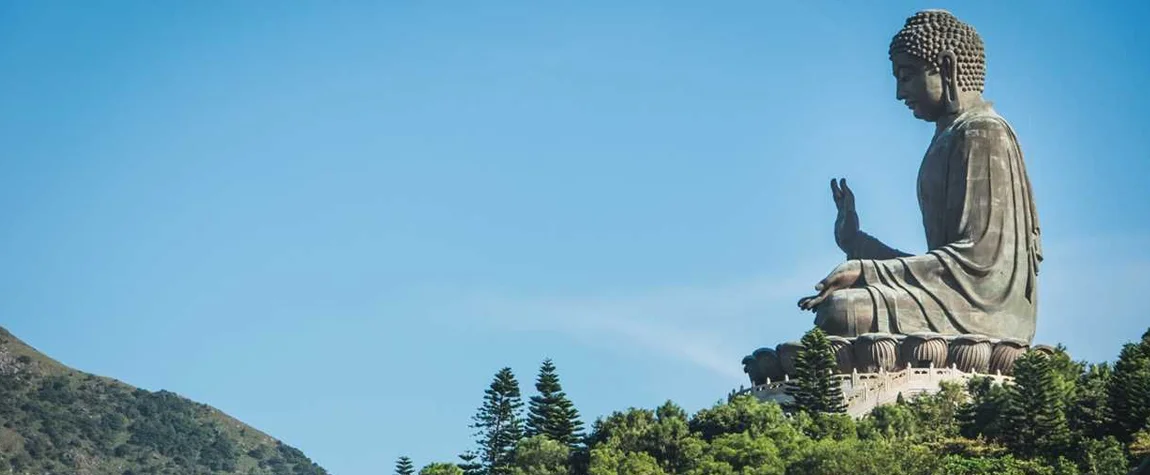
point(1058, 416)
point(79, 423)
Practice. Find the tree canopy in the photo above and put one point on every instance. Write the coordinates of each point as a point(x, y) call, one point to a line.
point(1057, 416)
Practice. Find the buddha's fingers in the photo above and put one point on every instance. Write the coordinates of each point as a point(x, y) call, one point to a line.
point(812, 302)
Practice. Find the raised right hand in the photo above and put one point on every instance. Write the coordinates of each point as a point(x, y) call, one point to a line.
point(847, 221)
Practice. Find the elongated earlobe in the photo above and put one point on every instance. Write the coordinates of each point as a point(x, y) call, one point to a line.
point(948, 70)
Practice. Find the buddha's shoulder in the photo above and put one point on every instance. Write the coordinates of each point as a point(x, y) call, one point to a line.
point(983, 124)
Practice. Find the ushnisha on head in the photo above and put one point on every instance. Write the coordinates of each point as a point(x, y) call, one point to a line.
point(939, 63)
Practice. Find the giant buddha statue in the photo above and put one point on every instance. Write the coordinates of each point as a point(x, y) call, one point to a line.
point(979, 274)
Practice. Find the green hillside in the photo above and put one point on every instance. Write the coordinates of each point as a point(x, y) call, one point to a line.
point(54, 419)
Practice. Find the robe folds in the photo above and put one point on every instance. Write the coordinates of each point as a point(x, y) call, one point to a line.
point(980, 273)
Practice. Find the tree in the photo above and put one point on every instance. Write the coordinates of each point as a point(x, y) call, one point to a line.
point(1036, 415)
point(663, 434)
point(985, 414)
point(866, 457)
point(403, 466)
point(742, 414)
point(746, 414)
point(826, 425)
point(1088, 414)
point(893, 421)
point(1140, 446)
point(439, 468)
point(1104, 457)
point(540, 455)
point(1067, 372)
point(936, 414)
point(672, 442)
point(612, 461)
point(745, 454)
point(1129, 390)
point(470, 465)
point(498, 424)
point(814, 388)
point(1006, 465)
point(551, 413)
point(627, 430)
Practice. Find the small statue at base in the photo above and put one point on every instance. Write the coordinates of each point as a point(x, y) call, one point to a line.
point(979, 275)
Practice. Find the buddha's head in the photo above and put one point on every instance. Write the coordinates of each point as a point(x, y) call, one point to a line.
point(938, 64)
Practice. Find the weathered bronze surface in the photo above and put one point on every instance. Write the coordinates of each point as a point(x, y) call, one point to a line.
point(979, 275)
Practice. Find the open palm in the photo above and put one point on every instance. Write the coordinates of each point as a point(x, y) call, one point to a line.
point(847, 220)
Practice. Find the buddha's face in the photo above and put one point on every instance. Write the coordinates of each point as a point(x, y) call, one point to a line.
point(919, 86)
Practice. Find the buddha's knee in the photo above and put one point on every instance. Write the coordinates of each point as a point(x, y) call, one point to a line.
point(831, 315)
point(839, 314)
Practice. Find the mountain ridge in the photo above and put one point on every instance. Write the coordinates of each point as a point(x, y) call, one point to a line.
point(56, 419)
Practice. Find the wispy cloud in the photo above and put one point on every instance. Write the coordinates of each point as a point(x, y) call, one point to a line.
point(1091, 301)
point(702, 325)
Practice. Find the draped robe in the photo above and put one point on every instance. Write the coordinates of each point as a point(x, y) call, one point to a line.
point(980, 272)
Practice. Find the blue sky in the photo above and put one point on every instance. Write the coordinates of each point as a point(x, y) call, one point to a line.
point(336, 221)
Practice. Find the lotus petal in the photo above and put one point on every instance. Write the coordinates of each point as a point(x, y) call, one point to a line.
point(788, 352)
point(1003, 355)
point(970, 353)
point(876, 351)
point(922, 350)
point(844, 353)
point(769, 364)
point(1044, 349)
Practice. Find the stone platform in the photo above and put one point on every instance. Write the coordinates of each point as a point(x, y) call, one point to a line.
point(863, 392)
point(875, 368)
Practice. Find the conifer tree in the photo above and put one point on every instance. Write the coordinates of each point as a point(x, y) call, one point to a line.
point(814, 388)
point(551, 413)
point(1128, 393)
point(498, 424)
point(403, 466)
point(470, 464)
point(1036, 416)
point(985, 414)
point(1088, 414)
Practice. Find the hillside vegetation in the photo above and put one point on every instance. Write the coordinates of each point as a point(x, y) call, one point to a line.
point(57, 420)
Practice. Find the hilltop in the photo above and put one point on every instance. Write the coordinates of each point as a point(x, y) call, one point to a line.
point(55, 419)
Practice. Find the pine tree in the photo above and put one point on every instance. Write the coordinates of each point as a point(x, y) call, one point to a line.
point(551, 413)
point(1088, 414)
point(541, 407)
point(1036, 416)
point(985, 414)
point(498, 424)
point(567, 429)
point(1128, 394)
point(814, 388)
point(470, 465)
point(403, 466)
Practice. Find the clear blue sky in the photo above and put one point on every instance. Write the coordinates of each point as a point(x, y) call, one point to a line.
point(337, 220)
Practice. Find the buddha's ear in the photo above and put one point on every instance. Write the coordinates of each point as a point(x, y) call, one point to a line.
point(948, 70)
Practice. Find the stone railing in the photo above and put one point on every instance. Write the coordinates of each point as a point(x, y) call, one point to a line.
point(862, 392)
point(875, 353)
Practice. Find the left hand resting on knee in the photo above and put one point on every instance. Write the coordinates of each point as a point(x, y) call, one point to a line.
point(843, 277)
